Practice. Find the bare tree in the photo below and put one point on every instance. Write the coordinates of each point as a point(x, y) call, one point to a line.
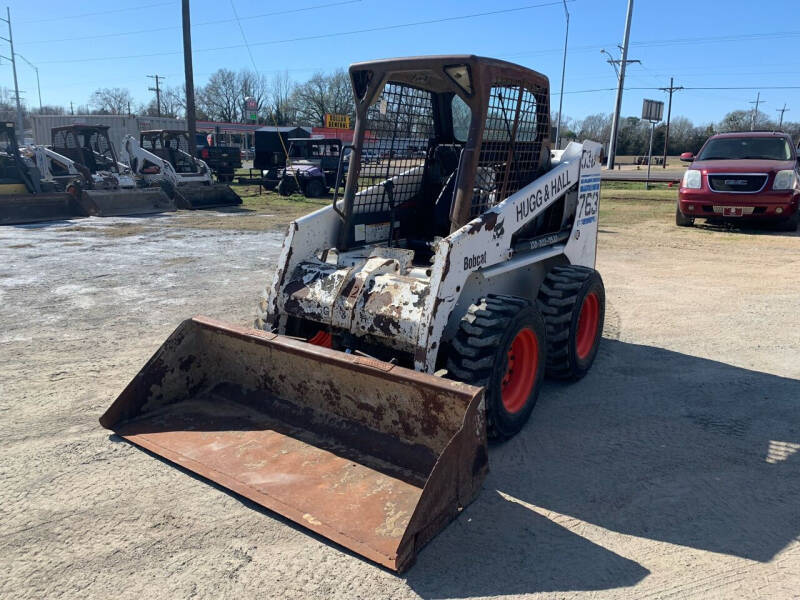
point(113, 101)
point(740, 120)
point(323, 94)
point(281, 111)
point(252, 85)
point(594, 127)
point(219, 98)
point(173, 101)
point(49, 109)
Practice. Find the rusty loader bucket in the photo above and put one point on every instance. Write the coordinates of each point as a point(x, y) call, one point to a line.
point(373, 456)
point(125, 202)
point(35, 208)
point(196, 197)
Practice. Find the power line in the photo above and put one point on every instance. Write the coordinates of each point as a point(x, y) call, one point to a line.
point(244, 37)
point(324, 35)
point(202, 24)
point(102, 12)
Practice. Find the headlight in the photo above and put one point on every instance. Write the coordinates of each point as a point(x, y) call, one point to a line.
point(784, 180)
point(692, 180)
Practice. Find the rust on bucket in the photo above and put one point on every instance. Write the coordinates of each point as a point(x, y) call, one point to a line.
point(375, 457)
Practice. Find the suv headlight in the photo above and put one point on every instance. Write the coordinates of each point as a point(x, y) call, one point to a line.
point(692, 180)
point(784, 180)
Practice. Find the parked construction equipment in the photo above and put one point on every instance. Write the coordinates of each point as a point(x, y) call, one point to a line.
point(24, 196)
point(107, 188)
point(163, 157)
point(467, 265)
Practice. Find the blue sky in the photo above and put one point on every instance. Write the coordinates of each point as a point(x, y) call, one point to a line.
point(702, 43)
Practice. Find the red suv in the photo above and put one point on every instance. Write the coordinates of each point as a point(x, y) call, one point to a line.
point(735, 176)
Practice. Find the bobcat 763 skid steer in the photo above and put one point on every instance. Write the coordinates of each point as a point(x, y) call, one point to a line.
point(163, 156)
point(406, 320)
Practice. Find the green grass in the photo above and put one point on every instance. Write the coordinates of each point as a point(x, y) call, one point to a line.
point(620, 203)
point(625, 206)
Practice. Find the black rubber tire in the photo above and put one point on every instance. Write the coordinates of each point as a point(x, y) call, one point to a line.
point(682, 220)
point(561, 299)
point(479, 356)
point(792, 223)
point(314, 189)
point(286, 186)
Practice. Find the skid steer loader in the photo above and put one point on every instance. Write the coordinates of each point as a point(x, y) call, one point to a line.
point(162, 156)
point(107, 187)
point(24, 196)
point(406, 322)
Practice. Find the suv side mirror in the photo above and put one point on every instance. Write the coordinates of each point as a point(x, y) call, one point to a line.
point(687, 157)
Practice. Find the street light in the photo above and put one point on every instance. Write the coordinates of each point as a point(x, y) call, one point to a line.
point(35, 68)
point(563, 71)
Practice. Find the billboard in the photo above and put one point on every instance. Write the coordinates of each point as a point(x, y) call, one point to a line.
point(333, 121)
point(652, 110)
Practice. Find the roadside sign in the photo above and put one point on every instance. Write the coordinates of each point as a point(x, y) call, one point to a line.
point(335, 121)
point(251, 109)
point(652, 110)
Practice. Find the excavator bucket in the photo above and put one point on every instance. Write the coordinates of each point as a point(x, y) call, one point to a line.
point(124, 202)
point(35, 208)
point(375, 457)
point(206, 196)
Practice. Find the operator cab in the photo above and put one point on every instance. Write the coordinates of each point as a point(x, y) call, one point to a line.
point(441, 140)
point(87, 145)
point(171, 145)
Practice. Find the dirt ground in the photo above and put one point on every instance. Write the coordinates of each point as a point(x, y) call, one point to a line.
point(671, 471)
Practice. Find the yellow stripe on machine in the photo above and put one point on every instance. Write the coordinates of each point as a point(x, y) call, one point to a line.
point(7, 189)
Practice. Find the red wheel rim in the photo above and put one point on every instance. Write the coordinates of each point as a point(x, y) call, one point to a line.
point(587, 325)
point(322, 338)
point(520, 376)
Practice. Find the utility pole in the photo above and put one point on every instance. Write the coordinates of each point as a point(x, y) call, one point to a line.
point(38, 86)
point(615, 61)
point(782, 110)
point(157, 90)
point(753, 118)
point(10, 40)
point(191, 122)
point(671, 89)
point(71, 108)
point(563, 72)
point(612, 145)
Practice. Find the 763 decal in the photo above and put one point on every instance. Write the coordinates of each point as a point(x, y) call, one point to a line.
point(588, 199)
point(588, 203)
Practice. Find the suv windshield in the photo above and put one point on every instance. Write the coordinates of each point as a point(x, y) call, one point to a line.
point(740, 148)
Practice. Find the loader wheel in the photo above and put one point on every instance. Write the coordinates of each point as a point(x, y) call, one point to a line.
point(314, 188)
point(501, 345)
point(682, 220)
point(573, 302)
point(74, 189)
point(286, 187)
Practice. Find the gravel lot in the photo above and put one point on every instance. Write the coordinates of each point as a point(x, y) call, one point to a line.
point(671, 471)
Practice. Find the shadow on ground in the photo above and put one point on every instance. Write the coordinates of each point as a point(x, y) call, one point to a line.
point(746, 227)
point(653, 444)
